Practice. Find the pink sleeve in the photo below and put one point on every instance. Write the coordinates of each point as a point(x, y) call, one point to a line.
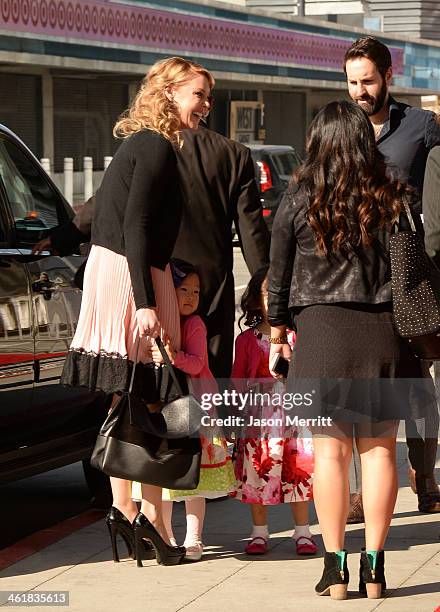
point(194, 353)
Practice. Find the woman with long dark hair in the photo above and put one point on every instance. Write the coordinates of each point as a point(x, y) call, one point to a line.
point(330, 276)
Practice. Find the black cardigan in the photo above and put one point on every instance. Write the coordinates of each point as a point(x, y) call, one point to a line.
point(138, 209)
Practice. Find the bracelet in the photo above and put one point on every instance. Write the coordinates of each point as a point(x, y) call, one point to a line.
point(280, 340)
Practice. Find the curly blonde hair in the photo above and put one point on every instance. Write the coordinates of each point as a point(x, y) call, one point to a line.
point(151, 109)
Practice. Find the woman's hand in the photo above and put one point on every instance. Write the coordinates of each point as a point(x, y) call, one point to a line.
point(148, 323)
point(278, 349)
point(43, 245)
point(156, 354)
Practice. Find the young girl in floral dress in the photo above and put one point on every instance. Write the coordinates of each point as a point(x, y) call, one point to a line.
point(216, 471)
point(277, 466)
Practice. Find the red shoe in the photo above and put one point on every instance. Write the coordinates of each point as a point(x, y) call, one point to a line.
point(257, 546)
point(305, 546)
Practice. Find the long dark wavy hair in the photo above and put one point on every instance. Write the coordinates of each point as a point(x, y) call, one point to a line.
point(344, 176)
point(251, 299)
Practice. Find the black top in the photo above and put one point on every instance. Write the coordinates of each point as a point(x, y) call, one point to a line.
point(405, 141)
point(138, 209)
point(299, 276)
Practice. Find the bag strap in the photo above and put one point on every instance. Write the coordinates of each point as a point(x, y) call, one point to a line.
point(130, 386)
point(408, 214)
point(169, 365)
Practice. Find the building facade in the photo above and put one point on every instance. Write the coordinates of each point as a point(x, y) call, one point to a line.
point(413, 18)
point(69, 67)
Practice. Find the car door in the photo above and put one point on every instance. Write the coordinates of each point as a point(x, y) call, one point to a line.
point(16, 342)
point(56, 415)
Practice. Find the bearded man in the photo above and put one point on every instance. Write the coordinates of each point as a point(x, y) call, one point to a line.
point(404, 135)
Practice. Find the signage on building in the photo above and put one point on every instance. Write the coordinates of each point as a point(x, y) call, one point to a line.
point(247, 122)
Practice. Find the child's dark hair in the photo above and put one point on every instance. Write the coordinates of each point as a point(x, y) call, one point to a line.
point(180, 269)
point(251, 299)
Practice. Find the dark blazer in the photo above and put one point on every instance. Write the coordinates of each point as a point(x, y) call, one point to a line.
point(217, 180)
point(218, 184)
point(431, 205)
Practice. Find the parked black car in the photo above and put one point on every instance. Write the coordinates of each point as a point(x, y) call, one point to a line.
point(274, 166)
point(42, 424)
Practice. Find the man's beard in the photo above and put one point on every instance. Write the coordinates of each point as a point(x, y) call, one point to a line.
point(373, 105)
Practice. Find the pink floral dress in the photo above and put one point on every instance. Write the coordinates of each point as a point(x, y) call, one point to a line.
point(269, 470)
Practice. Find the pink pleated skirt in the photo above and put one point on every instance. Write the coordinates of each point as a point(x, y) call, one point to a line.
point(106, 341)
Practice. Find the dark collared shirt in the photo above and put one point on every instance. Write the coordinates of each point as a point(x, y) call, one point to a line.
point(405, 141)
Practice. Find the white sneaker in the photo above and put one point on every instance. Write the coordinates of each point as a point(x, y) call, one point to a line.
point(194, 552)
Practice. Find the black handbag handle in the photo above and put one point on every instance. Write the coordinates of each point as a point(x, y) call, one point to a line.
point(431, 262)
point(169, 365)
point(130, 386)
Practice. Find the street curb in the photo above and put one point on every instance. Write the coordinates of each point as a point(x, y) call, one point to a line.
point(44, 538)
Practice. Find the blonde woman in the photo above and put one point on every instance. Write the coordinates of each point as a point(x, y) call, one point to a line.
point(128, 288)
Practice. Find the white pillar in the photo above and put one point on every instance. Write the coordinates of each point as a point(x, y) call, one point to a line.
point(68, 179)
point(88, 178)
point(48, 115)
point(107, 160)
point(45, 162)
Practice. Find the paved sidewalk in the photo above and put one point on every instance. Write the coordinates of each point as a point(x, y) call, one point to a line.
point(226, 579)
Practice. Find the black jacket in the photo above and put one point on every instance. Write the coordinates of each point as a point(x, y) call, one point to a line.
point(299, 276)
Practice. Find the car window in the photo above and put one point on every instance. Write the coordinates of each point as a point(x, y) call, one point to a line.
point(285, 163)
point(34, 204)
point(2, 220)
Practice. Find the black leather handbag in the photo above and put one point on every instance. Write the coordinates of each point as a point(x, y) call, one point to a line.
point(176, 419)
point(125, 450)
point(415, 285)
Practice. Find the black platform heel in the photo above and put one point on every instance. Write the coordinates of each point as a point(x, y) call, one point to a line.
point(165, 554)
point(372, 574)
point(335, 577)
point(117, 523)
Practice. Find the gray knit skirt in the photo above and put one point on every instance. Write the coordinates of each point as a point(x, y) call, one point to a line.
point(355, 367)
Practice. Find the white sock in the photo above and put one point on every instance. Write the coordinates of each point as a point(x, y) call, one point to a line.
point(302, 531)
point(260, 531)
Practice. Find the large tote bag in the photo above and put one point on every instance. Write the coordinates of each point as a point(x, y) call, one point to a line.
point(125, 450)
point(415, 284)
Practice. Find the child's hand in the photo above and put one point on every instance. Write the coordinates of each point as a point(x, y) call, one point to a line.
point(157, 357)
